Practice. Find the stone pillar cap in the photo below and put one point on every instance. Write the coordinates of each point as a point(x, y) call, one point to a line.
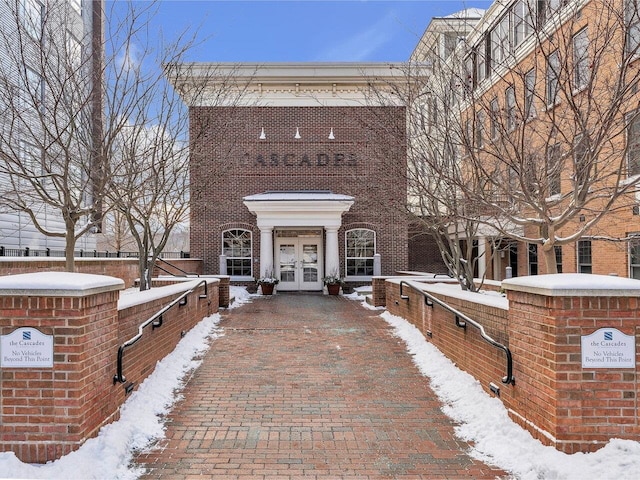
point(57, 284)
point(574, 285)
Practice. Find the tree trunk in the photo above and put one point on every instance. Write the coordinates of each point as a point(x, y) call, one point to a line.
point(70, 249)
point(549, 254)
point(145, 273)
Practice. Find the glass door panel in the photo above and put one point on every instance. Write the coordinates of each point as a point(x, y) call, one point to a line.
point(299, 263)
point(287, 266)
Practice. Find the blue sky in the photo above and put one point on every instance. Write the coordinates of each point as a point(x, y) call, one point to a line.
point(304, 30)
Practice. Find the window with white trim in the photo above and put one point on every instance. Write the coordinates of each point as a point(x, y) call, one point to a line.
point(554, 169)
point(634, 257)
point(581, 70)
point(529, 93)
point(553, 78)
point(494, 112)
point(510, 103)
point(585, 264)
point(633, 144)
point(360, 250)
point(558, 252)
point(237, 247)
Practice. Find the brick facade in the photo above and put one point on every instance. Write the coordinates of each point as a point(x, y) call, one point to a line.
point(362, 162)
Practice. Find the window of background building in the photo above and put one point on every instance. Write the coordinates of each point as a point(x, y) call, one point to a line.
point(495, 115)
point(533, 259)
point(633, 144)
point(360, 249)
point(479, 129)
point(632, 20)
point(31, 161)
point(634, 257)
point(529, 94)
point(31, 14)
point(584, 256)
point(554, 168)
point(510, 102)
point(236, 246)
point(581, 68)
point(558, 252)
point(553, 75)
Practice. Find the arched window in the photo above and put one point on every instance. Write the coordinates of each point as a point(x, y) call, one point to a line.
point(360, 249)
point(237, 247)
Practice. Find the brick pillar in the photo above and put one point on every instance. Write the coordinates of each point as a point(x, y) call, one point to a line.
point(564, 404)
point(48, 412)
point(223, 291)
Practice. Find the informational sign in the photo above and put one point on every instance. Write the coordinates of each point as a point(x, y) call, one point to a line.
point(608, 348)
point(26, 348)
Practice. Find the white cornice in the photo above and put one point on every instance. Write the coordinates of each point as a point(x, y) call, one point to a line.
point(289, 84)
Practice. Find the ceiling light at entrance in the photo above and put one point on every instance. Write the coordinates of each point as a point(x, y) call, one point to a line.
point(297, 135)
point(262, 134)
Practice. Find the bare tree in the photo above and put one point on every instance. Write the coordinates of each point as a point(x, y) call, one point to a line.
point(47, 106)
point(520, 132)
point(542, 122)
point(148, 176)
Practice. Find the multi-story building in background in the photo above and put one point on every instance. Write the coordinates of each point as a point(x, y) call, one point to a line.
point(545, 128)
point(43, 46)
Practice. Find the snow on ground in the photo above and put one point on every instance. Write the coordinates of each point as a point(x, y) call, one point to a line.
point(140, 424)
point(482, 419)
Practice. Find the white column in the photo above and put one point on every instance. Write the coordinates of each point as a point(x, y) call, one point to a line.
point(332, 254)
point(266, 250)
point(482, 256)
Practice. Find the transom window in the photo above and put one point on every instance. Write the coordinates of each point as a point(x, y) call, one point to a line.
point(236, 246)
point(361, 247)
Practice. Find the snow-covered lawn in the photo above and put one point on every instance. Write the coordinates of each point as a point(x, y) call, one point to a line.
point(482, 420)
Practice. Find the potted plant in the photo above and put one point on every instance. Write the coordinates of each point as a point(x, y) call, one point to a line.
point(267, 282)
point(333, 283)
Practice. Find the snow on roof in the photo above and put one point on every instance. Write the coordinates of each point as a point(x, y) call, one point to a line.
point(574, 284)
point(298, 195)
point(467, 13)
point(61, 284)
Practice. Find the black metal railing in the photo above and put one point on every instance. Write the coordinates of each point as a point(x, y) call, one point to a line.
point(461, 321)
point(184, 273)
point(48, 252)
point(155, 321)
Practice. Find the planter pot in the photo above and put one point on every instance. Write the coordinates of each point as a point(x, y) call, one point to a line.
point(333, 289)
point(267, 288)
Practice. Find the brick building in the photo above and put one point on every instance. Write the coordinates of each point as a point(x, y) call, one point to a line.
point(297, 170)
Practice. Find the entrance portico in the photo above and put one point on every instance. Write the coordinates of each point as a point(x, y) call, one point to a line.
point(304, 214)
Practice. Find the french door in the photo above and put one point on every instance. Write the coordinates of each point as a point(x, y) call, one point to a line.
point(299, 263)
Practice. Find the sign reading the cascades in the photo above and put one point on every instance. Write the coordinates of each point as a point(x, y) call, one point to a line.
point(306, 160)
point(608, 348)
point(26, 348)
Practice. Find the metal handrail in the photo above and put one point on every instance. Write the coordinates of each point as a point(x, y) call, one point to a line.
point(155, 321)
point(430, 300)
point(158, 260)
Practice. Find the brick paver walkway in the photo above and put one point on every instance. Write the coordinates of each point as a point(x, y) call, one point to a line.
point(314, 387)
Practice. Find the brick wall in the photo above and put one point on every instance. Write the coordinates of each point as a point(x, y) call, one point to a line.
point(229, 162)
point(49, 412)
point(555, 398)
